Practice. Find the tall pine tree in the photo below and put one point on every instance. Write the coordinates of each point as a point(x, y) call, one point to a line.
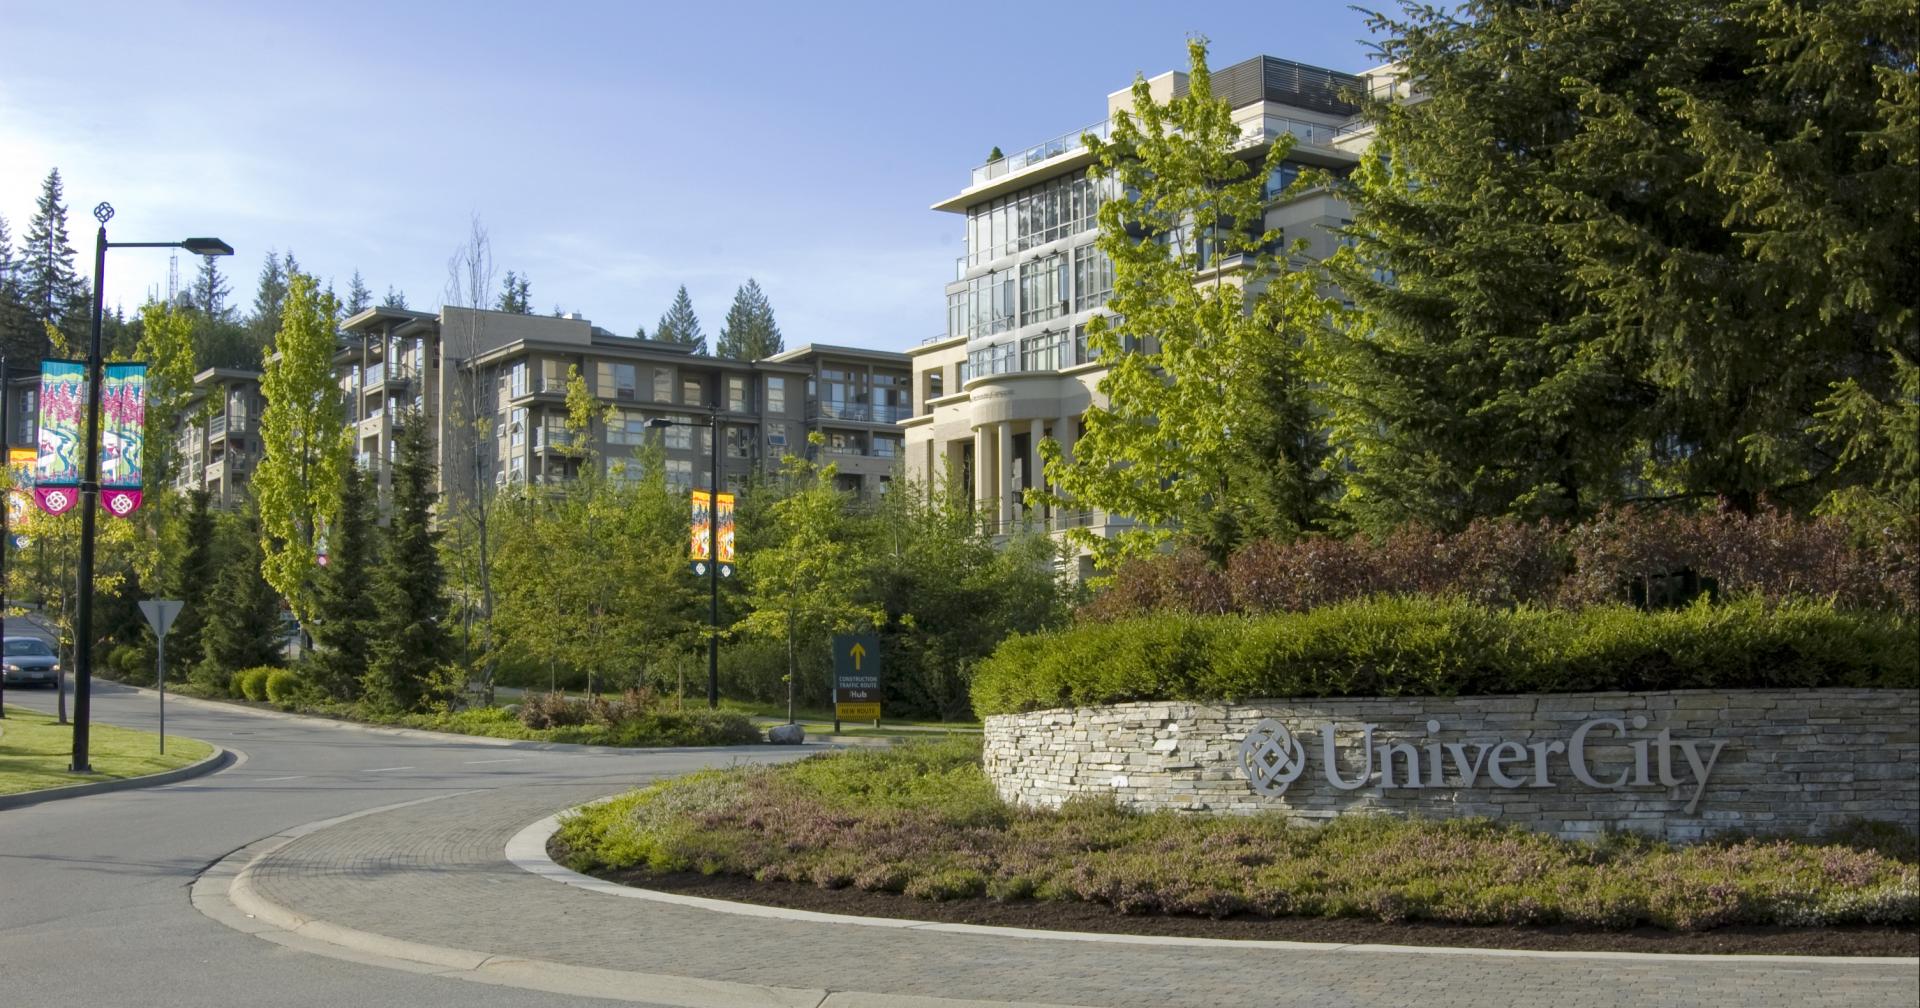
point(51, 290)
point(680, 324)
point(410, 668)
point(269, 299)
point(749, 333)
point(210, 291)
point(191, 580)
point(21, 337)
point(516, 295)
point(359, 298)
point(345, 614)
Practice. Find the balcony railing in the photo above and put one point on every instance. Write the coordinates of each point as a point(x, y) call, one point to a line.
point(545, 439)
point(1064, 144)
point(861, 412)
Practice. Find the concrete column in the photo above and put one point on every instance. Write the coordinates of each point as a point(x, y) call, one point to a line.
point(1066, 430)
point(1036, 431)
point(982, 469)
point(1005, 459)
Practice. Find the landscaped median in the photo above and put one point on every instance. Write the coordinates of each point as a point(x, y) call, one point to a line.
point(923, 821)
point(35, 750)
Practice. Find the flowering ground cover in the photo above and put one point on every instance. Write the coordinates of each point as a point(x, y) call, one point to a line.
point(922, 821)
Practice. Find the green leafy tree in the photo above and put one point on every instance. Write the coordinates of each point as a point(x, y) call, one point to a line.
point(242, 627)
point(345, 614)
point(50, 288)
point(516, 295)
point(680, 324)
point(1205, 433)
point(810, 578)
point(166, 344)
point(359, 298)
point(304, 445)
point(749, 332)
point(409, 666)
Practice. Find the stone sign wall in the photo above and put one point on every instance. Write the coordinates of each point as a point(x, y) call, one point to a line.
point(1682, 765)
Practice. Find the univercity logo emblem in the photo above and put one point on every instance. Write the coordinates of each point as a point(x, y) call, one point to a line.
point(1272, 757)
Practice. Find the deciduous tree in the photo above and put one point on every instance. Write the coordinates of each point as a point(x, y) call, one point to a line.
point(303, 440)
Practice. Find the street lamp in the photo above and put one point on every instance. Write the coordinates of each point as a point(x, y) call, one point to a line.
point(90, 480)
point(713, 560)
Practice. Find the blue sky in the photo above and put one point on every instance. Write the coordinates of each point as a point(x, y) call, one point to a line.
point(613, 151)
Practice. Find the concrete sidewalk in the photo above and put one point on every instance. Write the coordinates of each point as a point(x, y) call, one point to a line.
point(427, 886)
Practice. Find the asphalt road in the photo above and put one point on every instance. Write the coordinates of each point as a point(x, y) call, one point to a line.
point(94, 907)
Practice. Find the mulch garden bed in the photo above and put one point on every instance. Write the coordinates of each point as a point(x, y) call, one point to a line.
point(1077, 916)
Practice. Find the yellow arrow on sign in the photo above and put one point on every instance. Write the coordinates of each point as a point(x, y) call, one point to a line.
point(858, 651)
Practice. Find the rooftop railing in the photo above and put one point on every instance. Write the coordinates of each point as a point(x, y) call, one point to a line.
point(1065, 143)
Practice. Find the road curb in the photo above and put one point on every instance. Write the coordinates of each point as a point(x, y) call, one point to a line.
point(527, 849)
point(225, 892)
point(220, 760)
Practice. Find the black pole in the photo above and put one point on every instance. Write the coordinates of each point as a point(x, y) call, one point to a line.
point(89, 495)
point(713, 565)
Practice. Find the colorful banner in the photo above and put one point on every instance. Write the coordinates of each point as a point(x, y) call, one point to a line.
point(63, 415)
point(702, 532)
point(19, 490)
point(723, 519)
point(123, 433)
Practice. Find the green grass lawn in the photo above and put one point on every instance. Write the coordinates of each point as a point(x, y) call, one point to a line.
point(35, 750)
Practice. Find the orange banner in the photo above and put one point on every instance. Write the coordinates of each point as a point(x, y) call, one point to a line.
point(723, 519)
point(702, 532)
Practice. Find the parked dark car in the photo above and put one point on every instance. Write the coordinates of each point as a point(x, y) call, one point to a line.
point(29, 662)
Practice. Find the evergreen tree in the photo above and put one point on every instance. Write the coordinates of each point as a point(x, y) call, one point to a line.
point(749, 333)
point(269, 299)
point(411, 644)
point(640, 332)
point(345, 614)
point(210, 290)
point(1636, 261)
point(21, 337)
point(516, 295)
point(51, 290)
point(191, 580)
point(359, 298)
point(394, 298)
point(680, 324)
point(243, 616)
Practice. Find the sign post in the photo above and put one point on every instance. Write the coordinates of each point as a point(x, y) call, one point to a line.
point(856, 678)
point(160, 614)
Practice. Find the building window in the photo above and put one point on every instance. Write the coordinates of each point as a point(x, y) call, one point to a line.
point(935, 381)
point(679, 438)
point(627, 428)
point(886, 446)
point(1092, 278)
point(517, 427)
point(776, 395)
point(553, 375)
point(1045, 352)
point(680, 473)
point(737, 394)
point(517, 380)
point(740, 442)
point(663, 385)
point(1043, 289)
point(692, 392)
point(617, 380)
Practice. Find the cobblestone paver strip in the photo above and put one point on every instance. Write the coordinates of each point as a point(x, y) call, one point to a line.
point(436, 873)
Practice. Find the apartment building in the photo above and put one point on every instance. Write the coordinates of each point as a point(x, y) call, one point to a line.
point(493, 386)
point(855, 400)
point(217, 440)
point(1013, 367)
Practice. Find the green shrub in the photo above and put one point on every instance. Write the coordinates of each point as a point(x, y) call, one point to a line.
point(252, 683)
point(1410, 646)
point(284, 687)
point(210, 680)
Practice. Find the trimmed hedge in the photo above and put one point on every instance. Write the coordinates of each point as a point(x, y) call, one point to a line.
point(251, 684)
point(1446, 647)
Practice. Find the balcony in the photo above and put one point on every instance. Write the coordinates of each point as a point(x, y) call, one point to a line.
point(221, 426)
point(1059, 146)
point(546, 439)
point(858, 412)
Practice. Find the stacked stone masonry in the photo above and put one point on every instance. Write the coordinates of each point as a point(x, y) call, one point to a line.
point(1776, 761)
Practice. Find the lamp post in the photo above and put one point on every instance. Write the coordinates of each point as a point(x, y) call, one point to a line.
point(90, 478)
point(713, 559)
